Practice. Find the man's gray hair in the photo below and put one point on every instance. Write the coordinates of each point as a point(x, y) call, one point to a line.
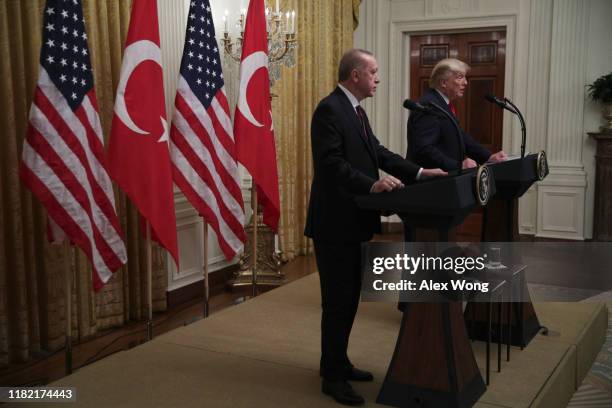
point(445, 68)
point(352, 59)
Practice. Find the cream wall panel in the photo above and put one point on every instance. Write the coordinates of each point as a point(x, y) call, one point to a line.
point(440, 8)
point(561, 212)
point(189, 231)
point(536, 112)
point(567, 83)
point(553, 47)
point(407, 10)
point(528, 212)
point(565, 123)
point(172, 16)
point(191, 251)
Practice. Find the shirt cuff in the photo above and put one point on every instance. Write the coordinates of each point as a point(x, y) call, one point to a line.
point(418, 176)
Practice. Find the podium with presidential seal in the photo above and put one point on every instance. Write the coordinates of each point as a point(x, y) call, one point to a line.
point(512, 179)
point(433, 364)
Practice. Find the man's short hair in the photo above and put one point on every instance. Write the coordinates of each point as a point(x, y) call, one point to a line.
point(445, 68)
point(352, 59)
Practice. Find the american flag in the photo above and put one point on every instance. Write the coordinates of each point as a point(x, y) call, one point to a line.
point(63, 161)
point(201, 138)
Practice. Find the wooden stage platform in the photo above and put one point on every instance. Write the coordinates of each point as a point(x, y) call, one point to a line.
point(265, 353)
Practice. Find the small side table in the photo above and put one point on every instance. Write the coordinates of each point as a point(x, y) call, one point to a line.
point(497, 291)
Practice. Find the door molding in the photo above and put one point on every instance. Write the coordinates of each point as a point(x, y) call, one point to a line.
point(399, 64)
point(545, 69)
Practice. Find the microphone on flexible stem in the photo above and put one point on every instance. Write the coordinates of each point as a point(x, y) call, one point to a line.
point(499, 102)
point(523, 127)
point(432, 108)
point(417, 107)
point(494, 99)
point(511, 107)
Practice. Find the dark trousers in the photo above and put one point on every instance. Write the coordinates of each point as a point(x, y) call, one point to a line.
point(339, 267)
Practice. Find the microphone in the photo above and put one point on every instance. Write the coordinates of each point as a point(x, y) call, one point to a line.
point(431, 108)
point(502, 103)
point(427, 109)
point(494, 99)
point(509, 106)
point(415, 106)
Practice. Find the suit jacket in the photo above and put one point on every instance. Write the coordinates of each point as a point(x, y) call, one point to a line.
point(346, 164)
point(432, 142)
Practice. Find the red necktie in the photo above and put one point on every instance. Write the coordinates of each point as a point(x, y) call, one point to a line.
point(362, 118)
point(452, 108)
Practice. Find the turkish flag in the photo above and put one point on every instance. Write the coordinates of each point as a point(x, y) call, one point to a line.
point(139, 160)
point(253, 117)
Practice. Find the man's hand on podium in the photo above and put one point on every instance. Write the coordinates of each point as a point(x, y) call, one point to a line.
point(387, 183)
point(498, 157)
point(428, 173)
point(468, 163)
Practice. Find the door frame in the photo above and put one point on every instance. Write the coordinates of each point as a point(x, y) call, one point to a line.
point(399, 66)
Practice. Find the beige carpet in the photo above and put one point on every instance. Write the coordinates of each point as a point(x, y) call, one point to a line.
point(596, 388)
point(265, 353)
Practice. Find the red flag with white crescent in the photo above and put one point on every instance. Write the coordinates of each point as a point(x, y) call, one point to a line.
point(139, 160)
point(253, 128)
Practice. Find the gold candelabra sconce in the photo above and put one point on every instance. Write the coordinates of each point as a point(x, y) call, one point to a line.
point(282, 39)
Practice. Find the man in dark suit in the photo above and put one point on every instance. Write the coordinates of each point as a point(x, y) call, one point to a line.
point(347, 158)
point(432, 141)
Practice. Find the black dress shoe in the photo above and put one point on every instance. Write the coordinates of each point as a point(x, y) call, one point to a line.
point(342, 392)
point(359, 375)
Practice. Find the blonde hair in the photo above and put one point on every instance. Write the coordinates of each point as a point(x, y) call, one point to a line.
point(444, 68)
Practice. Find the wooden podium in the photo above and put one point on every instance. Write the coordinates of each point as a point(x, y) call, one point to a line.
point(433, 364)
point(512, 179)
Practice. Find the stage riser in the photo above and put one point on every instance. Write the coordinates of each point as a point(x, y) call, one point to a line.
point(265, 353)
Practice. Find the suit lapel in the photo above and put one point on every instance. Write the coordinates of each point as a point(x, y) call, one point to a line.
point(350, 113)
point(440, 101)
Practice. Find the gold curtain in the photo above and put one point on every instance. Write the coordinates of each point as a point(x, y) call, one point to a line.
point(32, 289)
point(325, 32)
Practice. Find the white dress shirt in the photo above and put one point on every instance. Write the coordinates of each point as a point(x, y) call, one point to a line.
point(355, 103)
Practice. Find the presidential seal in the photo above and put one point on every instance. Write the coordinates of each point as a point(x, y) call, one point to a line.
point(483, 190)
point(541, 166)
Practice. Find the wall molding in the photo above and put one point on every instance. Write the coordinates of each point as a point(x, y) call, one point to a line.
point(190, 234)
point(399, 63)
point(548, 52)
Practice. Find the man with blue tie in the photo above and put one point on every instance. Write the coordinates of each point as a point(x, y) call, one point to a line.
point(432, 142)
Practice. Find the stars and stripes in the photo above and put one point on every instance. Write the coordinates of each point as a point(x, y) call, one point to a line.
point(201, 138)
point(63, 161)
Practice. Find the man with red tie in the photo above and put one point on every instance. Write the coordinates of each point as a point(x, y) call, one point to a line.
point(432, 141)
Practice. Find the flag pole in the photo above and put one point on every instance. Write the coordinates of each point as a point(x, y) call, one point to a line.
point(68, 282)
point(206, 287)
point(254, 240)
point(149, 285)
